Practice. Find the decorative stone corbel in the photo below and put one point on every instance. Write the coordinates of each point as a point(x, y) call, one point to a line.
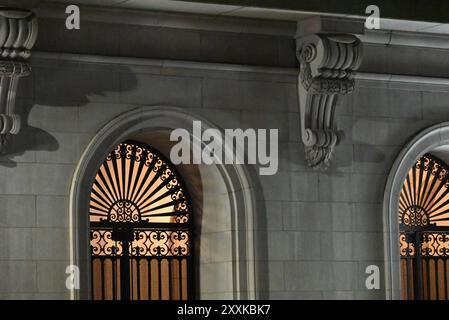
point(326, 62)
point(18, 33)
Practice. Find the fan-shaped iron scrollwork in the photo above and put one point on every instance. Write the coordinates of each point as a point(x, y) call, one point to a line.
point(424, 197)
point(135, 183)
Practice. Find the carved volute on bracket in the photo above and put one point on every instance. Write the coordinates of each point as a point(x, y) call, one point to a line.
point(326, 62)
point(18, 33)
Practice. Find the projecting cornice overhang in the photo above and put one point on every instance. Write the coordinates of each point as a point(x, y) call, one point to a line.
point(18, 32)
point(432, 11)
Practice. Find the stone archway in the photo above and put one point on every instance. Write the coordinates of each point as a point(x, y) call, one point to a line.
point(426, 141)
point(230, 275)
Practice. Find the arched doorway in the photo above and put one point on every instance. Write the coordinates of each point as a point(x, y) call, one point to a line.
point(424, 230)
point(140, 228)
point(227, 266)
point(429, 141)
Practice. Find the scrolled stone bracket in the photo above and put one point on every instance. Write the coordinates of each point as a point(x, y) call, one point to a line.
point(18, 33)
point(326, 65)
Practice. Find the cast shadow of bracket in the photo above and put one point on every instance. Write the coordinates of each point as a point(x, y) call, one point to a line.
point(33, 139)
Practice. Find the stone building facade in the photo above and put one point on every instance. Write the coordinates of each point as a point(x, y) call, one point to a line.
point(302, 233)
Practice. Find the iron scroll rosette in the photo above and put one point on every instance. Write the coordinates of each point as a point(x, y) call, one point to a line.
point(326, 65)
point(18, 33)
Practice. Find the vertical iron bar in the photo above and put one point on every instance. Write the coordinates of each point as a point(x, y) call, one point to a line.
point(131, 278)
point(445, 279)
point(138, 277)
point(408, 258)
point(102, 278)
point(437, 287)
point(92, 278)
point(169, 279)
point(417, 268)
point(114, 276)
point(180, 278)
point(149, 278)
point(429, 290)
point(159, 277)
point(409, 278)
point(124, 272)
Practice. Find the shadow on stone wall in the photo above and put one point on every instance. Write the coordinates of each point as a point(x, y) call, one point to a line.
point(71, 85)
point(29, 139)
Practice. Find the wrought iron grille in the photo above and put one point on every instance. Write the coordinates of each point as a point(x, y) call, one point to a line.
point(424, 230)
point(140, 228)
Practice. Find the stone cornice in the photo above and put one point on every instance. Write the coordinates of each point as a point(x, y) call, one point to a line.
point(284, 74)
point(176, 20)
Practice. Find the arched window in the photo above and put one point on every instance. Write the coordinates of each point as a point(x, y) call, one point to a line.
point(424, 230)
point(140, 228)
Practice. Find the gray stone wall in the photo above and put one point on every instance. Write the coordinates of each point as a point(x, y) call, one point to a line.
point(319, 229)
point(176, 37)
point(325, 228)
